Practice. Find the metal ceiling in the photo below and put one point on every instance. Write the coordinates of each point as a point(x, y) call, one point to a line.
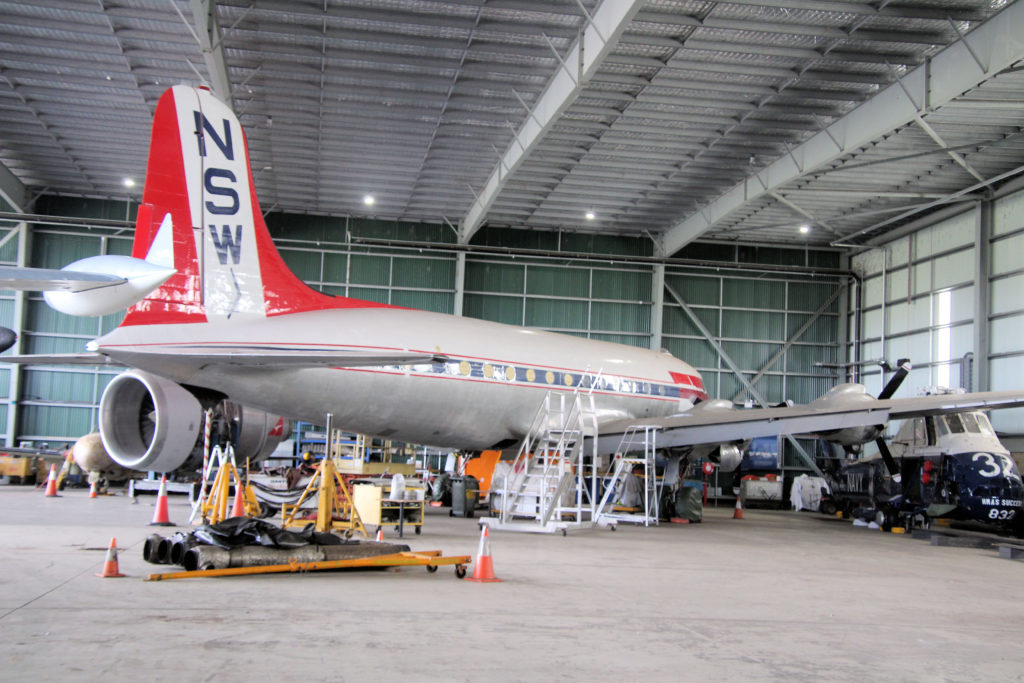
point(677, 119)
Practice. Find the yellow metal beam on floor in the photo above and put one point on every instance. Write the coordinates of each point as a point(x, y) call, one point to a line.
point(427, 558)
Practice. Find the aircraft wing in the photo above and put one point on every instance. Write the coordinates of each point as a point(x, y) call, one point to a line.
point(711, 423)
point(47, 280)
point(265, 358)
point(269, 358)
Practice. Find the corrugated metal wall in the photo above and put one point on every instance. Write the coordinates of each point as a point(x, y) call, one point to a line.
point(599, 302)
point(920, 299)
point(774, 328)
point(550, 283)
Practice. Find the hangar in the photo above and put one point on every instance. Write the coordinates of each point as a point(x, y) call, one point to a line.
point(785, 195)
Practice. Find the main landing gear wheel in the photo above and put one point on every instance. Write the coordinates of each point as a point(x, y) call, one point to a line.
point(460, 571)
point(431, 568)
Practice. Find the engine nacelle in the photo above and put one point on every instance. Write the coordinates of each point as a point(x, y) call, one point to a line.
point(727, 457)
point(91, 456)
point(150, 423)
point(854, 396)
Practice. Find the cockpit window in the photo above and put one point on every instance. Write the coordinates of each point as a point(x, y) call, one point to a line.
point(954, 424)
point(970, 421)
point(984, 425)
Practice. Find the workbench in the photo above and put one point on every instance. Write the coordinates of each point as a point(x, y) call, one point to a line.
point(376, 508)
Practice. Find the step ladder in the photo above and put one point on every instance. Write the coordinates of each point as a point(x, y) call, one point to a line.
point(637, 449)
point(552, 485)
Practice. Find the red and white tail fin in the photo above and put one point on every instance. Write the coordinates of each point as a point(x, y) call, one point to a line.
point(199, 212)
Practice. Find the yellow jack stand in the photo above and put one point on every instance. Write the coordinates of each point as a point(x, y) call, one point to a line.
point(333, 498)
point(65, 469)
point(216, 508)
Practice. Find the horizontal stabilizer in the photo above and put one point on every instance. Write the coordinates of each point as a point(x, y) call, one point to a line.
point(61, 359)
point(52, 280)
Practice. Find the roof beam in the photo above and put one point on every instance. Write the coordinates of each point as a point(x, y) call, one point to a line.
point(951, 72)
point(208, 35)
point(584, 58)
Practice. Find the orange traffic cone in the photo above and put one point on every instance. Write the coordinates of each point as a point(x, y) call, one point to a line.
point(51, 483)
point(738, 512)
point(160, 515)
point(110, 570)
point(484, 571)
point(92, 490)
point(380, 535)
point(238, 509)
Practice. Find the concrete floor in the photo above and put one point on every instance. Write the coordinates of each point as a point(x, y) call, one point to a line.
point(775, 596)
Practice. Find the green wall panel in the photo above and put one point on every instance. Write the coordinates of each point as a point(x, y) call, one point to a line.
point(754, 294)
point(769, 386)
point(802, 359)
point(622, 285)
point(810, 296)
point(750, 355)
point(697, 352)
point(335, 267)
point(556, 313)
point(61, 422)
point(761, 326)
point(620, 317)
point(557, 281)
point(429, 273)
point(494, 277)
point(42, 318)
point(369, 270)
point(675, 321)
point(50, 250)
point(56, 385)
point(305, 264)
point(695, 291)
point(501, 309)
point(438, 302)
point(369, 294)
point(6, 311)
point(823, 330)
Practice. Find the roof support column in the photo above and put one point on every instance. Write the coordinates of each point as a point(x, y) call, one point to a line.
point(18, 323)
point(460, 282)
point(982, 296)
point(657, 305)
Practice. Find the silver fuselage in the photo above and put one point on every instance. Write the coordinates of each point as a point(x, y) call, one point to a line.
point(487, 392)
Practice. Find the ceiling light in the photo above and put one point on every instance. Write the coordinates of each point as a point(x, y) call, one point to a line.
point(591, 215)
point(804, 229)
point(369, 200)
point(128, 182)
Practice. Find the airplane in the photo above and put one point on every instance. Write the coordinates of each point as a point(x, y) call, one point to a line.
point(949, 466)
point(215, 314)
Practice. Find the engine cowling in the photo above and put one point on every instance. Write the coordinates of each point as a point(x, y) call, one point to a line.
point(727, 457)
point(150, 423)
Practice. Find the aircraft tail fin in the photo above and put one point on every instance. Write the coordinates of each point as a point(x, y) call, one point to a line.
point(200, 214)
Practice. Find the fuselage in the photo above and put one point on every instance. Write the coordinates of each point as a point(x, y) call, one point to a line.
point(485, 394)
